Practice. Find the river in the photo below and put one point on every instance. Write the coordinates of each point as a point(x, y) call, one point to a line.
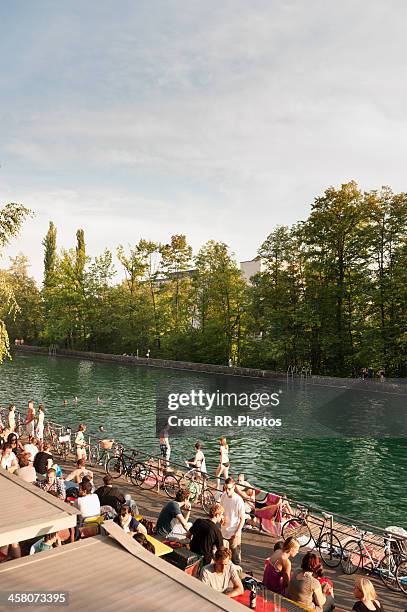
point(364, 478)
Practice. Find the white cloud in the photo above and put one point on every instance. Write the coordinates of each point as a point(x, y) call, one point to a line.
point(215, 120)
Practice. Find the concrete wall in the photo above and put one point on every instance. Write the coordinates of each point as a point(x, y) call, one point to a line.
point(152, 363)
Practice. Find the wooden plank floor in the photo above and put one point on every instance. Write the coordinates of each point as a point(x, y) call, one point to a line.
point(258, 546)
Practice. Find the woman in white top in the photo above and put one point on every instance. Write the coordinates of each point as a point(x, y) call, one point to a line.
point(198, 461)
point(224, 464)
point(11, 419)
point(40, 422)
point(8, 459)
point(30, 419)
point(80, 442)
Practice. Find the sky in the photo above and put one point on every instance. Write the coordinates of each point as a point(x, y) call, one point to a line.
point(218, 120)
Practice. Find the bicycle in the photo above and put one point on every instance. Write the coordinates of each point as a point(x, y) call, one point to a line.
point(401, 574)
point(101, 451)
point(63, 445)
point(123, 465)
point(197, 483)
point(357, 555)
point(147, 476)
point(328, 544)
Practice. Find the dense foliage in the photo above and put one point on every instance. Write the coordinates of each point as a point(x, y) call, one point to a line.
point(332, 294)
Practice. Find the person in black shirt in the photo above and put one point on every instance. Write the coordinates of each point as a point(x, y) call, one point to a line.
point(109, 495)
point(206, 537)
point(171, 515)
point(43, 460)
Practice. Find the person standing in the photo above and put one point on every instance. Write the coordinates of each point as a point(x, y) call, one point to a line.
point(198, 460)
point(11, 418)
point(233, 505)
point(224, 464)
point(80, 442)
point(40, 422)
point(165, 448)
point(30, 418)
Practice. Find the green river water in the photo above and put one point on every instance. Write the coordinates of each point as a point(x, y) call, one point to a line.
point(362, 478)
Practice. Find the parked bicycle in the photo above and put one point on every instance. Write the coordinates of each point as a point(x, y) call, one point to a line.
point(327, 542)
point(197, 483)
point(101, 451)
point(357, 554)
point(401, 574)
point(123, 465)
point(148, 474)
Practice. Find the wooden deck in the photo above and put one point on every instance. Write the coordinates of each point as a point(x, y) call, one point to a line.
point(256, 547)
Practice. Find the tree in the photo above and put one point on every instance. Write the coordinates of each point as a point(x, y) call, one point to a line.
point(336, 247)
point(219, 293)
point(50, 254)
point(28, 320)
point(11, 220)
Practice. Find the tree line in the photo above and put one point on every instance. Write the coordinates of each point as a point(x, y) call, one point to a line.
point(331, 294)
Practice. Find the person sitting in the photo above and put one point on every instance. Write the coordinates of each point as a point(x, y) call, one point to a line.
point(274, 509)
point(367, 599)
point(43, 459)
point(141, 539)
point(246, 492)
point(277, 570)
point(171, 521)
point(8, 459)
point(326, 584)
point(109, 495)
point(50, 540)
point(128, 523)
point(205, 534)
point(304, 588)
point(26, 470)
point(77, 475)
point(87, 503)
point(221, 574)
point(16, 445)
point(31, 448)
point(52, 483)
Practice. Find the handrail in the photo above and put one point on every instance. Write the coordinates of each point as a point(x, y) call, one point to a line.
point(313, 509)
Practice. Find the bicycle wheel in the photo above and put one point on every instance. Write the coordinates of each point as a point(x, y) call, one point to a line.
point(170, 485)
point(297, 528)
point(114, 467)
point(401, 575)
point(351, 557)
point(93, 457)
point(207, 500)
point(388, 568)
point(147, 477)
point(138, 473)
point(330, 549)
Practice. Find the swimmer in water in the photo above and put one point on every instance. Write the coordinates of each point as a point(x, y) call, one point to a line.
point(75, 400)
point(65, 402)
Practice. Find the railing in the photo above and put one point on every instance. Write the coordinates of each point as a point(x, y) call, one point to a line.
point(303, 371)
point(343, 526)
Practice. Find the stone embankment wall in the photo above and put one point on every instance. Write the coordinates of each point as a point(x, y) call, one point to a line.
point(394, 386)
point(153, 363)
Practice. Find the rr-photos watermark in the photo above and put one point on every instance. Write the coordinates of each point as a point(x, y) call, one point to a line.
point(222, 402)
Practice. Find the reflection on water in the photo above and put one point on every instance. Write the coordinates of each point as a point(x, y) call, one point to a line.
point(364, 478)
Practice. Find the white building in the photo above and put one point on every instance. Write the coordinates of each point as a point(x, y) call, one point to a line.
point(251, 267)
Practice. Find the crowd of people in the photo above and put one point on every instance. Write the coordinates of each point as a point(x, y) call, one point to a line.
point(216, 539)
